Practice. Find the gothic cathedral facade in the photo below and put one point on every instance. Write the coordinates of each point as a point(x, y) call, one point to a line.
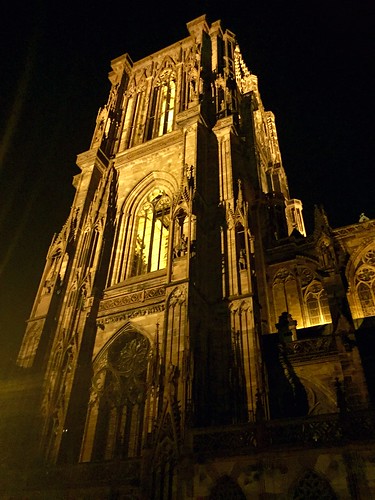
point(188, 339)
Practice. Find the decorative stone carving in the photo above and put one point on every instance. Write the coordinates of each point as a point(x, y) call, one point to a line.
point(369, 257)
point(98, 384)
point(178, 296)
point(123, 378)
point(243, 75)
point(132, 298)
point(310, 348)
point(306, 276)
point(366, 274)
point(131, 314)
point(283, 275)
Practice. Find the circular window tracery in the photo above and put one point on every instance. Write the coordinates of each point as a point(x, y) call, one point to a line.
point(366, 274)
point(119, 391)
point(370, 256)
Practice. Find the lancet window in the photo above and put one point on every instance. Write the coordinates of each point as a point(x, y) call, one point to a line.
point(152, 235)
point(365, 283)
point(162, 110)
point(366, 297)
point(190, 85)
point(130, 121)
point(317, 304)
point(284, 284)
point(88, 254)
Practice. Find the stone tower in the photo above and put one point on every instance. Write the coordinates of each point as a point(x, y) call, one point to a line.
point(182, 255)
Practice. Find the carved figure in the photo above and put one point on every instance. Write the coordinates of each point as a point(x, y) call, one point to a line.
point(173, 374)
point(181, 248)
point(242, 259)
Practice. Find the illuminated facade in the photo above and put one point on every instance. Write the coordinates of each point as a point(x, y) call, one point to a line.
point(188, 340)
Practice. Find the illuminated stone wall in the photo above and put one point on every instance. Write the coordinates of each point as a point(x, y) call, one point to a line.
point(183, 310)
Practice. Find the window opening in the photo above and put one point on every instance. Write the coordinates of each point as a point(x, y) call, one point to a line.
point(317, 305)
point(123, 396)
point(162, 108)
point(151, 243)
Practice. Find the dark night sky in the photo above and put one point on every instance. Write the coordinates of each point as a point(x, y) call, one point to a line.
point(316, 73)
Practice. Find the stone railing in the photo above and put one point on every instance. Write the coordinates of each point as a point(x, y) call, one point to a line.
point(224, 440)
point(312, 347)
point(312, 431)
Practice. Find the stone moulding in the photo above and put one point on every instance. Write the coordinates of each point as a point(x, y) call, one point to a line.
point(130, 299)
point(131, 314)
point(343, 232)
point(154, 145)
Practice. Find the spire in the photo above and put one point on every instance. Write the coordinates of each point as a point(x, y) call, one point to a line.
point(321, 223)
point(245, 80)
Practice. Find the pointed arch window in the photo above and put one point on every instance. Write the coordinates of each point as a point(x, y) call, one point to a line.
point(122, 389)
point(284, 284)
point(152, 235)
point(317, 304)
point(165, 461)
point(89, 246)
point(365, 278)
point(129, 121)
point(162, 110)
point(132, 131)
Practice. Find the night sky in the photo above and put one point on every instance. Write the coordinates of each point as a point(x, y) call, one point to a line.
point(314, 62)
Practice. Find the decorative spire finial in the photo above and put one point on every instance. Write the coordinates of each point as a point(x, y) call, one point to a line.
point(243, 76)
